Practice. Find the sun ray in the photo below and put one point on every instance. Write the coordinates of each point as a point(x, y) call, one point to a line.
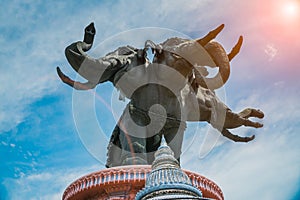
point(291, 9)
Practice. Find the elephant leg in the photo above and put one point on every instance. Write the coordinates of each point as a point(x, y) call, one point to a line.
point(133, 149)
point(234, 120)
point(251, 112)
point(247, 122)
point(152, 145)
point(114, 149)
point(236, 138)
point(174, 138)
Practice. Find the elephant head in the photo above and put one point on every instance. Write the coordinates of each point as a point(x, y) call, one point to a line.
point(97, 70)
point(187, 56)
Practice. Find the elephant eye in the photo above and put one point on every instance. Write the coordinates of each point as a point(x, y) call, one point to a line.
point(176, 56)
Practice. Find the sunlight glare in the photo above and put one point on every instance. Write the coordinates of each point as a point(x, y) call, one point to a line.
point(291, 9)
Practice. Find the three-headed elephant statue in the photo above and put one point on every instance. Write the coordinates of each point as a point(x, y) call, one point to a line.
point(164, 93)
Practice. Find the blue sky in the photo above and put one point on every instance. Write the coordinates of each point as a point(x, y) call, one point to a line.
point(44, 146)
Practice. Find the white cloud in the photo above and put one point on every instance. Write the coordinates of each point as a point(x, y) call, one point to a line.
point(45, 185)
point(38, 40)
point(271, 51)
point(4, 143)
point(268, 164)
point(34, 43)
point(27, 74)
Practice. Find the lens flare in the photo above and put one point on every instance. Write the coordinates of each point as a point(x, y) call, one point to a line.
point(291, 9)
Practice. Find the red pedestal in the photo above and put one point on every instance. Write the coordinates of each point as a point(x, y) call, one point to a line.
point(125, 181)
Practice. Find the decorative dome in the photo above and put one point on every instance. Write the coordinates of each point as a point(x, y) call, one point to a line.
point(167, 180)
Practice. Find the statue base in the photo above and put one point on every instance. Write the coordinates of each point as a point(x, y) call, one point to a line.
point(125, 182)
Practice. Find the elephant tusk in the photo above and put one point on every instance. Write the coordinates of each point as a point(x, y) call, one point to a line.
point(211, 35)
point(236, 138)
point(74, 84)
point(236, 49)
